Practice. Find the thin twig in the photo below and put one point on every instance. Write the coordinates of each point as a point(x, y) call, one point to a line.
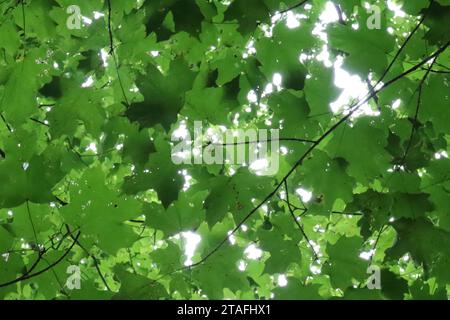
point(96, 264)
point(405, 43)
point(347, 213)
point(295, 6)
point(32, 224)
point(416, 114)
point(258, 141)
point(111, 39)
point(40, 122)
point(6, 123)
point(376, 243)
point(32, 275)
point(113, 55)
point(23, 19)
point(340, 14)
point(316, 257)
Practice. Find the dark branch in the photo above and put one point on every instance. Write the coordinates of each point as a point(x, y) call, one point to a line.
point(340, 14)
point(40, 122)
point(258, 141)
point(111, 39)
point(376, 243)
point(347, 213)
point(32, 224)
point(316, 257)
point(50, 266)
point(295, 6)
point(96, 264)
point(6, 123)
point(113, 55)
point(405, 43)
point(416, 114)
point(23, 18)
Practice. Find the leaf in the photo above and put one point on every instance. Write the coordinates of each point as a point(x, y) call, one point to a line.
point(248, 20)
point(183, 215)
point(436, 15)
point(280, 54)
point(158, 11)
point(295, 290)
point(345, 263)
point(332, 183)
point(101, 219)
point(168, 258)
point(320, 90)
point(292, 110)
point(219, 272)
point(435, 93)
point(164, 95)
point(137, 287)
point(411, 205)
point(282, 252)
point(427, 245)
point(208, 104)
point(159, 174)
point(393, 287)
point(367, 49)
point(17, 101)
point(366, 159)
point(218, 201)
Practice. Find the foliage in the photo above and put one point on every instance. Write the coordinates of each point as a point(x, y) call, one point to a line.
point(85, 152)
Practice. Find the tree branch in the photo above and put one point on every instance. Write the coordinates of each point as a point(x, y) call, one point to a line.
point(340, 14)
point(405, 43)
point(40, 122)
point(111, 39)
point(295, 6)
point(6, 123)
point(112, 53)
point(316, 257)
point(32, 275)
point(258, 141)
point(96, 264)
point(416, 114)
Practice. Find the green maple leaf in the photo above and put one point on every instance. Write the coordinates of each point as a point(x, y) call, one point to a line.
point(183, 215)
point(280, 54)
point(345, 263)
point(138, 287)
point(367, 49)
point(323, 182)
point(102, 218)
point(427, 245)
point(435, 93)
point(159, 174)
point(295, 290)
point(366, 159)
point(164, 95)
point(282, 252)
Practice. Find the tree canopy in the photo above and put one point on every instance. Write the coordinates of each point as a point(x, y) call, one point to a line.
point(92, 205)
